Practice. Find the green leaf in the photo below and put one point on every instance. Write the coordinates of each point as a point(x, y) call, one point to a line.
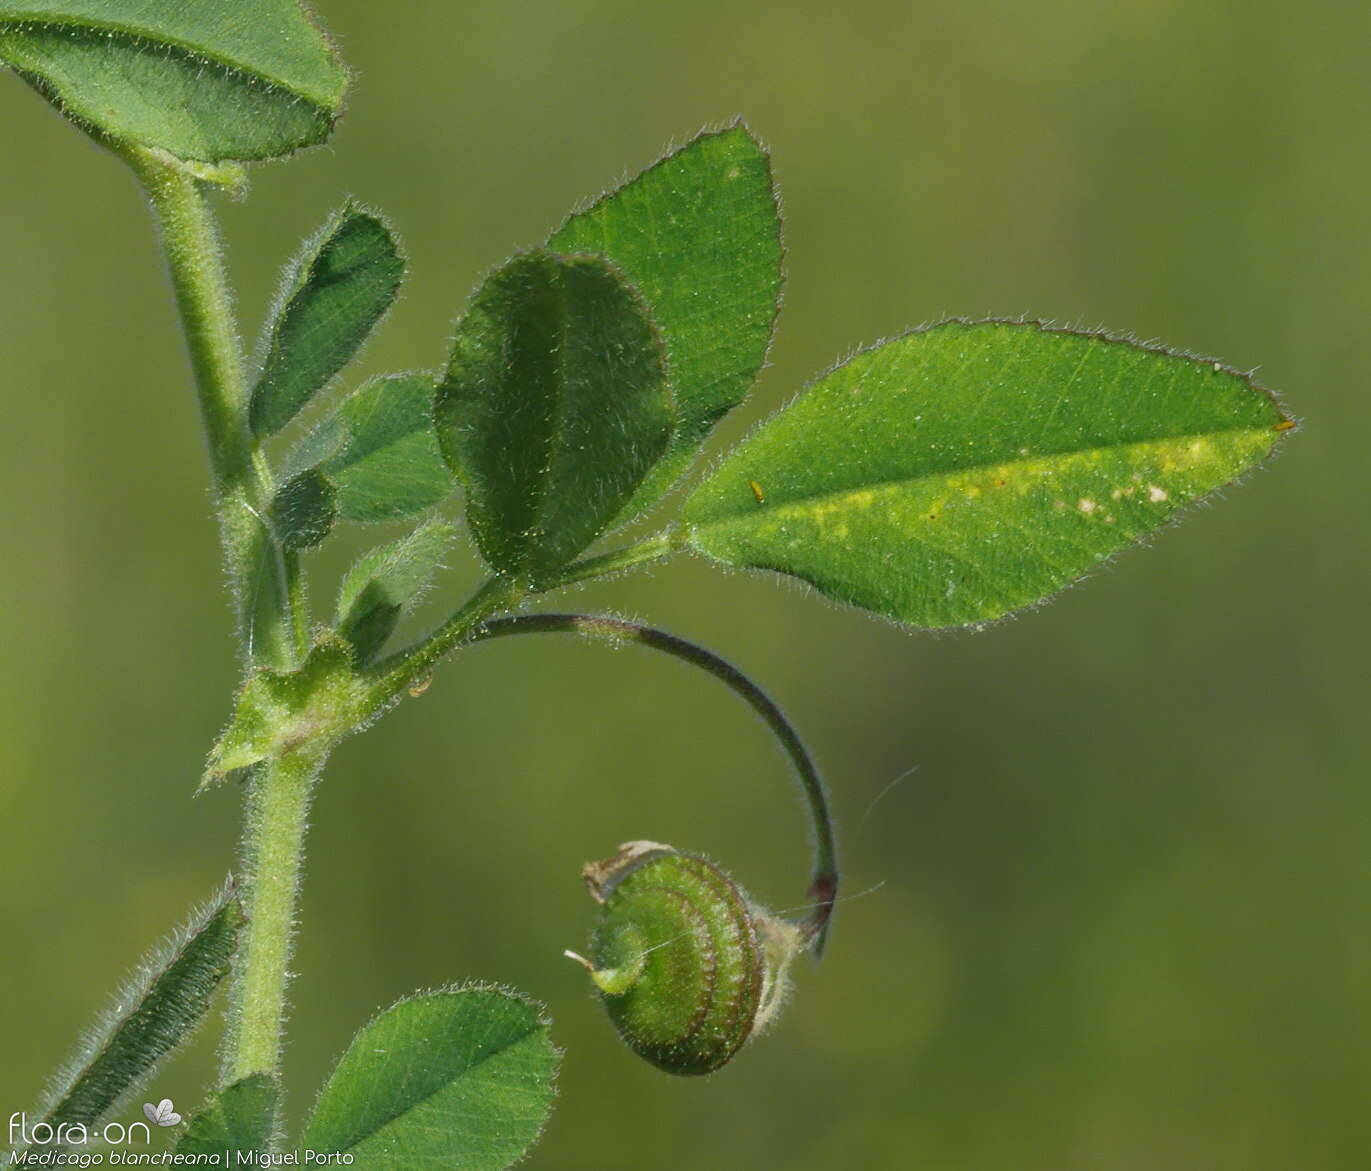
point(386, 583)
point(335, 291)
point(160, 1006)
point(303, 510)
point(963, 471)
point(238, 1119)
point(380, 451)
point(699, 235)
point(456, 1078)
point(203, 81)
point(554, 406)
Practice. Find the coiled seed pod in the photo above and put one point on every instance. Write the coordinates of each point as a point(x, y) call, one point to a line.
point(688, 967)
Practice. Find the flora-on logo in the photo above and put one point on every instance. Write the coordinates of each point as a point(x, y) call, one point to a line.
point(163, 1114)
point(23, 1133)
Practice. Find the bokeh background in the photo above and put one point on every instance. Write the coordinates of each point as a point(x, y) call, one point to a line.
point(1123, 919)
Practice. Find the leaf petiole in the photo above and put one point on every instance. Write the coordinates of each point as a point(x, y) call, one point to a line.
point(396, 673)
point(655, 548)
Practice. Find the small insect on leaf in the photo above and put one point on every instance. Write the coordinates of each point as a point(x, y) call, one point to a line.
point(1284, 425)
point(757, 491)
point(881, 500)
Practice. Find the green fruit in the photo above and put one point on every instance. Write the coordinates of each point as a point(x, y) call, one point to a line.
point(689, 968)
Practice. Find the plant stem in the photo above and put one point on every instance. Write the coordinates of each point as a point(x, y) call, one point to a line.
point(202, 295)
point(824, 885)
point(393, 674)
point(273, 852)
point(266, 577)
point(653, 548)
point(268, 589)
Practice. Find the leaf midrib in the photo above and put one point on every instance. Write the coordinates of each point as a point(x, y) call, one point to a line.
point(414, 1103)
point(343, 459)
point(268, 377)
point(536, 537)
point(799, 502)
point(93, 27)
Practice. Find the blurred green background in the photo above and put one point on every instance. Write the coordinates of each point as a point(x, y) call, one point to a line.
point(1124, 914)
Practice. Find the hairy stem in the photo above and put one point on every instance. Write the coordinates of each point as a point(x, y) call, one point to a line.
point(824, 885)
point(273, 853)
point(268, 589)
point(202, 295)
point(393, 674)
point(398, 671)
point(266, 578)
